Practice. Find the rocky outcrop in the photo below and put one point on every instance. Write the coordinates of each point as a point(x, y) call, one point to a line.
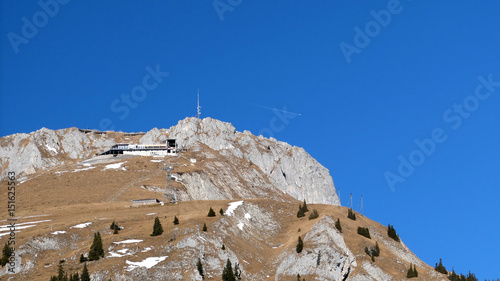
point(273, 164)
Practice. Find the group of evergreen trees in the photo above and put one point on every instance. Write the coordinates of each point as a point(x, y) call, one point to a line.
point(453, 275)
point(228, 274)
point(412, 272)
point(63, 276)
point(302, 210)
point(364, 231)
point(391, 232)
point(373, 251)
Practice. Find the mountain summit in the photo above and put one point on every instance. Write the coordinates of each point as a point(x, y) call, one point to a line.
point(239, 161)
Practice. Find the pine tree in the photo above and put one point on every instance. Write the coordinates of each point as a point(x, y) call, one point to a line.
point(200, 269)
point(96, 250)
point(391, 232)
point(6, 252)
point(157, 228)
point(176, 220)
point(223, 247)
point(85, 274)
point(338, 226)
point(300, 246)
point(227, 273)
point(211, 212)
point(204, 227)
point(304, 207)
point(221, 212)
point(300, 212)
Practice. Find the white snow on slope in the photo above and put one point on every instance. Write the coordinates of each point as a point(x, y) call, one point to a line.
point(115, 166)
point(129, 241)
point(147, 263)
point(58, 232)
point(232, 207)
point(82, 225)
point(240, 225)
point(18, 224)
point(82, 169)
point(248, 216)
point(51, 148)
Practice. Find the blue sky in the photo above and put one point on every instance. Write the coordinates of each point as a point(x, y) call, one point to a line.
point(369, 78)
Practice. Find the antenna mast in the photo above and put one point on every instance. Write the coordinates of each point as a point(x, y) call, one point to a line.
point(198, 107)
point(351, 201)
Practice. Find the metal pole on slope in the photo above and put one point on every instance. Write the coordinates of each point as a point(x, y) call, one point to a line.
point(361, 204)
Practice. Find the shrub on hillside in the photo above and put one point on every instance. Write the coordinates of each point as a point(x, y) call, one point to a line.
point(314, 214)
point(364, 232)
point(221, 211)
point(391, 232)
point(6, 253)
point(351, 214)
point(300, 212)
point(304, 207)
point(176, 220)
point(204, 227)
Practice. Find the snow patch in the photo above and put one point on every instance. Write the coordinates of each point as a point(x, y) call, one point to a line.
point(82, 169)
point(51, 148)
point(147, 263)
point(129, 241)
point(115, 166)
point(82, 225)
point(147, 249)
point(232, 207)
point(150, 214)
point(154, 160)
point(248, 216)
point(240, 225)
point(58, 232)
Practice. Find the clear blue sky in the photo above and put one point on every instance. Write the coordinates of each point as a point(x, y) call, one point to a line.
point(366, 87)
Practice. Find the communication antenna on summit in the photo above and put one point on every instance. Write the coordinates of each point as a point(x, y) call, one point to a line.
point(198, 107)
point(351, 200)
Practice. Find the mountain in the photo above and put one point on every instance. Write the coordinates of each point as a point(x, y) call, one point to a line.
point(66, 192)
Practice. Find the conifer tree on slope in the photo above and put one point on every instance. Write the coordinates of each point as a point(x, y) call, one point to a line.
point(227, 274)
point(85, 274)
point(96, 250)
point(157, 228)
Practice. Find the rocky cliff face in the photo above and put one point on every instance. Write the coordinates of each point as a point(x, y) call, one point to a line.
point(265, 162)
